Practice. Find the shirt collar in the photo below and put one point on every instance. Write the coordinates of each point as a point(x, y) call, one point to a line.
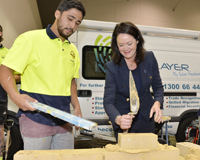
point(51, 34)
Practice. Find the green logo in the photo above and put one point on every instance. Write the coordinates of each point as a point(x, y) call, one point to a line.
point(106, 41)
point(102, 51)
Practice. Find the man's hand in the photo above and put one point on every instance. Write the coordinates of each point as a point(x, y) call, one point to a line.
point(74, 101)
point(77, 112)
point(21, 100)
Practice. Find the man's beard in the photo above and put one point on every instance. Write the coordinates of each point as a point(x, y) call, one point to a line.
point(61, 31)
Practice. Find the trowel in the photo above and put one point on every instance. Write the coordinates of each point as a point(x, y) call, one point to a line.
point(134, 99)
point(9, 124)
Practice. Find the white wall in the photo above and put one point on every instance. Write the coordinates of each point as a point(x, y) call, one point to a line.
point(146, 12)
point(16, 17)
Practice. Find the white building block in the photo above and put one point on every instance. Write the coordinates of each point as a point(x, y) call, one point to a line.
point(189, 149)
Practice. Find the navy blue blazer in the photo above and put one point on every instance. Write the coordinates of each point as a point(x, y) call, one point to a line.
point(116, 93)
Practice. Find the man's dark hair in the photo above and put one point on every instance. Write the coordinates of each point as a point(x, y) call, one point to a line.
point(66, 5)
point(1, 37)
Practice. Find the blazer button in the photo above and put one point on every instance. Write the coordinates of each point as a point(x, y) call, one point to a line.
point(127, 99)
point(146, 90)
point(150, 77)
point(122, 85)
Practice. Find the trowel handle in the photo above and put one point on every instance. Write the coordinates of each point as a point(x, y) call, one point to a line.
point(126, 130)
point(7, 144)
point(9, 124)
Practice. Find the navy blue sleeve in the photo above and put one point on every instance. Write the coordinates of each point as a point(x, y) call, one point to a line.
point(157, 82)
point(110, 94)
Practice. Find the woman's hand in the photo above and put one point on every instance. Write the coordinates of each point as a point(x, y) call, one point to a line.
point(124, 121)
point(158, 114)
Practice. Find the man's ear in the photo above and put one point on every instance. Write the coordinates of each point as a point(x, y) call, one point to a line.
point(0, 33)
point(57, 14)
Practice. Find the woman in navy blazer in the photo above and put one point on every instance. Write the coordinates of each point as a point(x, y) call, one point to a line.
point(129, 54)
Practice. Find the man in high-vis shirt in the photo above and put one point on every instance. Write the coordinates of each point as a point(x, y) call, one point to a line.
point(48, 63)
point(3, 96)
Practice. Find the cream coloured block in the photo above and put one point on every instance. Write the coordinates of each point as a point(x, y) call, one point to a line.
point(156, 151)
point(68, 154)
point(189, 149)
point(170, 153)
point(182, 158)
point(138, 140)
point(110, 152)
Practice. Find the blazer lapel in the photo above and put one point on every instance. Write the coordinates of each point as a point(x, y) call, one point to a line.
point(144, 75)
point(124, 71)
